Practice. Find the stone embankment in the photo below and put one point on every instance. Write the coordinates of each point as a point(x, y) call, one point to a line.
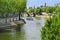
point(12, 24)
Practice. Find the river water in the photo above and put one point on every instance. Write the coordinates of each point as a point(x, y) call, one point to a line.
point(28, 31)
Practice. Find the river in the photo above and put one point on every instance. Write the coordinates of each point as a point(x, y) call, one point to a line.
point(28, 31)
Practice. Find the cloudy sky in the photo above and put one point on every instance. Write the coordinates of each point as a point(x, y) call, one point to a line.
point(32, 3)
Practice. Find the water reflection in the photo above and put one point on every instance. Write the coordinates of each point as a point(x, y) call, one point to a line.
point(13, 35)
point(29, 31)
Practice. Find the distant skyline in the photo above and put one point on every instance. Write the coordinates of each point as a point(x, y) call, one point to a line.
point(32, 3)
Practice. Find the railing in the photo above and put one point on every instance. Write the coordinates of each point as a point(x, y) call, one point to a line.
point(7, 20)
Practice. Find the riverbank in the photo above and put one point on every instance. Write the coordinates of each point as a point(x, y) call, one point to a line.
point(44, 15)
point(11, 25)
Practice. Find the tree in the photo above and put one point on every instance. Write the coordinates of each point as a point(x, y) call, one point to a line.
point(49, 9)
point(57, 9)
point(38, 10)
point(20, 6)
point(11, 6)
point(51, 29)
point(6, 6)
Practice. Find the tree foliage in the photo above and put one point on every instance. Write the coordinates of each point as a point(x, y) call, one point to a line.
point(49, 9)
point(38, 10)
point(51, 29)
point(8, 6)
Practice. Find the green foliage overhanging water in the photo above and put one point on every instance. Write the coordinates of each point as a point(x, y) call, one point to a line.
point(51, 29)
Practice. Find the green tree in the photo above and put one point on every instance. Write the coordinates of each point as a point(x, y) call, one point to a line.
point(51, 29)
point(49, 9)
point(20, 6)
point(38, 10)
point(6, 6)
point(12, 6)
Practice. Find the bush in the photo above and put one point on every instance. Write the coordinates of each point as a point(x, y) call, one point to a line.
point(51, 29)
point(38, 10)
point(49, 9)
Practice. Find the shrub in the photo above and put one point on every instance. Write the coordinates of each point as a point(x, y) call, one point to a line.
point(49, 9)
point(51, 29)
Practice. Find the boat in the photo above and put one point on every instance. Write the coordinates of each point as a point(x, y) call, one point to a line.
point(29, 18)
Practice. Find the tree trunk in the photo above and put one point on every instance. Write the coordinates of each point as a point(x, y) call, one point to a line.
point(28, 14)
point(6, 15)
point(34, 14)
point(19, 17)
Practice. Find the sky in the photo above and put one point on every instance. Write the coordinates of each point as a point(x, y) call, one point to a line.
point(32, 3)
